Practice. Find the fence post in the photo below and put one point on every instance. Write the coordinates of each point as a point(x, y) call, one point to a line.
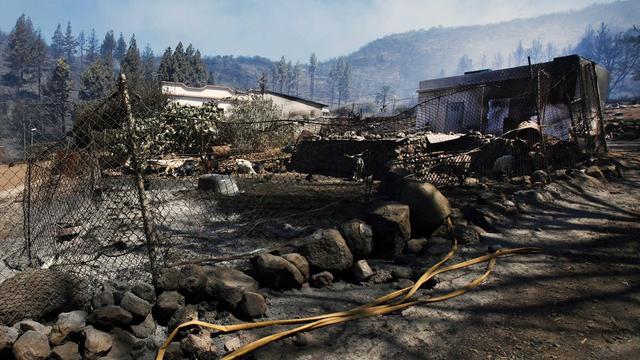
point(150, 236)
point(596, 90)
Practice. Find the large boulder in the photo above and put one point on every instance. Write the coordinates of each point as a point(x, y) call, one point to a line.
point(326, 249)
point(68, 323)
point(199, 346)
point(182, 315)
point(96, 342)
point(361, 271)
point(228, 285)
point(391, 228)
point(169, 279)
point(67, 351)
point(144, 291)
point(192, 279)
point(144, 329)
point(321, 279)
point(359, 237)
point(168, 303)
point(39, 293)
point(252, 305)
point(26, 325)
point(8, 336)
point(276, 272)
point(135, 305)
point(117, 288)
point(110, 316)
point(429, 208)
point(32, 345)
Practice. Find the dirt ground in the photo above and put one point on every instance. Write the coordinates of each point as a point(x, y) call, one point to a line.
point(578, 299)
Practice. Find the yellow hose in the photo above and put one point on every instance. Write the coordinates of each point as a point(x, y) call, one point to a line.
point(380, 306)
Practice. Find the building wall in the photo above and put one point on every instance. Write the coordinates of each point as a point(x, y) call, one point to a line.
point(292, 109)
point(437, 110)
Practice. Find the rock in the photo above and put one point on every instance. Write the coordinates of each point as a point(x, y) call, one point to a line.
point(561, 174)
point(428, 207)
point(102, 298)
point(123, 344)
point(169, 279)
point(68, 323)
point(144, 329)
point(586, 181)
point(466, 234)
point(359, 237)
point(174, 352)
point(233, 344)
point(415, 246)
point(381, 277)
point(539, 176)
point(32, 345)
point(182, 315)
point(612, 172)
point(192, 279)
point(276, 272)
point(521, 180)
point(38, 292)
point(300, 263)
point(304, 339)
point(219, 184)
point(401, 272)
point(8, 336)
point(252, 305)
point(438, 246)
point(144, 291)
point(321, 279)
point(391, 228)
point(135, 305)
point(144, 350)
point(471, 182)
point(67, 351)
point(198, 345)
point(26, 325)
point(404, 283)
point(110, 316)
point(168, 303)
point(361, 271)
point(228, 285)
point(117, 288)
point(325, 249)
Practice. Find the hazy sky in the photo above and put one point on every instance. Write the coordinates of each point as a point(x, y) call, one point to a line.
point(270, 28)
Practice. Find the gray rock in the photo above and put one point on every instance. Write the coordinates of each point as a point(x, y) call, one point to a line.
point(144, 329)
point(232, 344)
point(404, 283)
point(67, 351)
point(361, 271)
point(416, 246)
point(26, 325)
point(123, 344)
point(218, 183)
point(321, 279)
point(596, 172)
point(32, 345)
point(228, 285)
point(199, 346)
point(192, 279)
point(539, 176)
point(325, 249)
point(304, 339)
point(359, 237)
point(252, 305)
point(39, 292)
point(381, 277)
point(401, 272)
point(466, 234)
point(68, 323)
point(182, 315)
point(168, 303)
point(276, 272)
point(391, 228)
point(300, 263)
point(117, 288)
point(135, 305)
point(144, 291)
point(174, 352)
point(8, 336)
point(102, 298)
point(169, 279)
point(110, 316)
point(144, 350)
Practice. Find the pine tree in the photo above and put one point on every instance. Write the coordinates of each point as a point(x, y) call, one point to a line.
point(39, 57)
point(344, 87)
point(92, 47)
point(70, 44)
point(199, 70)
point(464, 64)
point(190, 73)
point(131, 63)
point(180, 65)
point(82, 42)
point(313, 66)
point(290, 80)
point(19, 51)
point(108, 46)
point(282, 73)
point(57, 43)
point(97, 81)
point(166, 68)
point(297, 77)
point(148, 63)
point(120, 49)
point(57, 91)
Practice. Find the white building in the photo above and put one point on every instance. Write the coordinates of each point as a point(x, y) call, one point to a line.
point(293, 107)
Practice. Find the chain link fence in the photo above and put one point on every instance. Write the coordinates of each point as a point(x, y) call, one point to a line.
point(130, 186)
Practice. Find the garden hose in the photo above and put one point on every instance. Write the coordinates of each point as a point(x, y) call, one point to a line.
point(379, 306)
